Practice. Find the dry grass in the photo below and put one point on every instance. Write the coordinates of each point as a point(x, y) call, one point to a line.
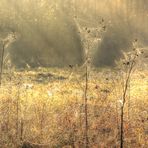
point(46, 106)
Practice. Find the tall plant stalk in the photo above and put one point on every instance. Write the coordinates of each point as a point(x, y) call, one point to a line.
point(86, 109)
point(5, 43)
point(2, 62)
point(130, 64)
point(122, 108)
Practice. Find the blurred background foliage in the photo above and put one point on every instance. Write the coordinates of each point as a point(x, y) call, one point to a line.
point(49, 36)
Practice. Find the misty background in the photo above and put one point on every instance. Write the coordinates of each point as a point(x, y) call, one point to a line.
point(47, 34)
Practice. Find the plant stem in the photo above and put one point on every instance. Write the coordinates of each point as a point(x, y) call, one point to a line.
point(86, 109)
point(123, 105)
point(1, 64)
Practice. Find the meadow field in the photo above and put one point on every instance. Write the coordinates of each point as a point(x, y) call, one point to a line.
point(73, 73)
point(45, 108)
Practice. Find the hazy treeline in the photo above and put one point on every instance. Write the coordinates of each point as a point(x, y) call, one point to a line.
point(129, 21)
point(126, 20)
point(48, 35)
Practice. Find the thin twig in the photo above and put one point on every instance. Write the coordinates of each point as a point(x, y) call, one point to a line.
point(86, 109)
point(2, 61)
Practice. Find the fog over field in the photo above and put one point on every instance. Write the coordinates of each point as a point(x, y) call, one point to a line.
point(48, 34)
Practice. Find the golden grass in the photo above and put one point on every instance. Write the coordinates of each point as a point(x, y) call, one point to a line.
point(47, 106)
